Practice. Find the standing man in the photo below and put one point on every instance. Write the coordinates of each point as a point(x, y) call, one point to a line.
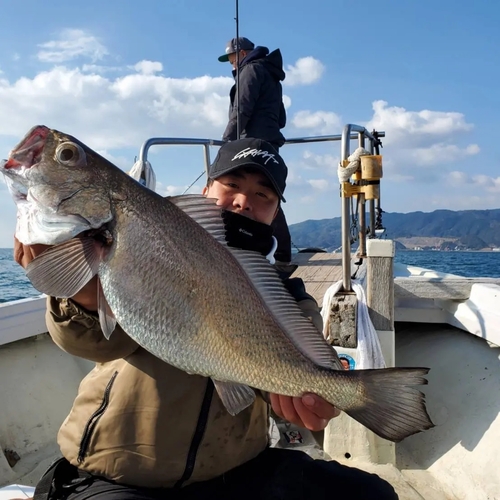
point(261, 111)
point(260, 102)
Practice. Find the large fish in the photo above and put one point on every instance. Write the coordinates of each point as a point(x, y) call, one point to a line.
point(167, 276)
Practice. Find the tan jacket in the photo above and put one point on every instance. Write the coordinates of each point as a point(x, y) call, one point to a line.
point(139, 421)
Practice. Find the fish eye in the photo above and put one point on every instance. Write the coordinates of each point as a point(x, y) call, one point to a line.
point(70, 154)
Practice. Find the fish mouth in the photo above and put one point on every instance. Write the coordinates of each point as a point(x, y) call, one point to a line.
point(28, 152)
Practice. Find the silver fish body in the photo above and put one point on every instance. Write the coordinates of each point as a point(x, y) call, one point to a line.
point(168, 278)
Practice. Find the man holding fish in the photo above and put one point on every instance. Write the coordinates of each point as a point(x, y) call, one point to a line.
point(145, 425)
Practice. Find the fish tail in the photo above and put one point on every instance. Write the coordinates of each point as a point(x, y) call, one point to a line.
point(388, 403)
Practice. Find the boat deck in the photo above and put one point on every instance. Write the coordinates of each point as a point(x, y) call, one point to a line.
point(318, 271)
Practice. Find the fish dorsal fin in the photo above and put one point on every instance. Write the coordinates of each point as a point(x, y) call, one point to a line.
point(300, 331)
point(204, 211)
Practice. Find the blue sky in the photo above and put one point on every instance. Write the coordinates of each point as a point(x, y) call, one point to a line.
point(115, 73)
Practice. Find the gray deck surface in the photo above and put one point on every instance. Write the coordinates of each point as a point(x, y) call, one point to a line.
point(319, 271)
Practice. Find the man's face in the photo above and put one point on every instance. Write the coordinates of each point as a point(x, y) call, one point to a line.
point(233, 58)
point(247, 193)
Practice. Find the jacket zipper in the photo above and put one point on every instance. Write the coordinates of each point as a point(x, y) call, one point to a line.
point(93, 420)
point(198, 434)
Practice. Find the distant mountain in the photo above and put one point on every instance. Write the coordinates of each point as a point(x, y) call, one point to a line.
point(475, 229)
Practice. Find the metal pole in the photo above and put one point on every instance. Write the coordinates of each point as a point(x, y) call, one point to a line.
point(174, 141)
point(237, 19)
point(327, 138)
point(377, 152)
point(187, 141)
point(206, 151)
point(362, 210)
point(372, 203)
point(346, 215)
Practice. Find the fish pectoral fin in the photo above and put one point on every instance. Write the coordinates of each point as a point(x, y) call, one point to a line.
point(235, 397)
point(106, 317)
point(63, 270)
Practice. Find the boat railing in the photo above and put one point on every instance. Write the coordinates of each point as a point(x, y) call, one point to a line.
point(350, 132)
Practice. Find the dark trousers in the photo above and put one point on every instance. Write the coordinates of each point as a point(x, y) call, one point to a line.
point(275, 474)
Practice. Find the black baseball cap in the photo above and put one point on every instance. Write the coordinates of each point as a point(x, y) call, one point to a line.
point(251, 152)
point(234, 44)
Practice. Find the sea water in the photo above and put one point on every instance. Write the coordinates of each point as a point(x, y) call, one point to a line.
point(14, 284)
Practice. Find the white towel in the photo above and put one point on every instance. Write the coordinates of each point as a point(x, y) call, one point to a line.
point(368, 352)
point(144, 173)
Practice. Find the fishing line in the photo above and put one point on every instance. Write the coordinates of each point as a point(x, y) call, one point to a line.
point(193, 183)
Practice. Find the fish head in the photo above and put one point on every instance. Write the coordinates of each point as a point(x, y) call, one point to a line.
point(60, 186)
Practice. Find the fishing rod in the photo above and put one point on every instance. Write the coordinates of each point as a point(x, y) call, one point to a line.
point(237, 99)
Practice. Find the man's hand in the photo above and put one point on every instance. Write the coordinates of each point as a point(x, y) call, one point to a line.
point(310, 411)
point(86, 297)
point(24, 254)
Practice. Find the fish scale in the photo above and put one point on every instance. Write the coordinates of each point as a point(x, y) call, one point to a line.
point(236, 351)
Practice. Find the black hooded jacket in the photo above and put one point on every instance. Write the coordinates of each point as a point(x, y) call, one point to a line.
point(261, 109)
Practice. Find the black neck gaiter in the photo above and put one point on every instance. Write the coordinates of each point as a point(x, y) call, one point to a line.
point(248, 234)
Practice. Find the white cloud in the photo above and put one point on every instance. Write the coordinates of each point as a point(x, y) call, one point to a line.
point(458, 178)
point(490, 184)
point(470, 201)
point(486, 183)
point(101, 69)
point(415, 127)
point(287, 101)
point(320, 167)
point(319, 184)
point(326, 162)
point(305, 71)
point(320, 122)
point(307, 200)
point(72, 43)
point(310, 173)
point(110, 108)
point(109, 113)
point(442, 153)
point(120, 161)
point(148, 67)
point(173, 190)
point(472, 149)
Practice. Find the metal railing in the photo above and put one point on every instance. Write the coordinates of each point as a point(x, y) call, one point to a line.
point(179, 141)
point(350, 132)
point(362, 135)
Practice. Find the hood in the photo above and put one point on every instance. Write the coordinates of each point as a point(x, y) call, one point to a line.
point(274, 64)
point(257, 53)
point(273, 61)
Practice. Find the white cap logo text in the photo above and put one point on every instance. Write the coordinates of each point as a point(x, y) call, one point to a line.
point(266, 155)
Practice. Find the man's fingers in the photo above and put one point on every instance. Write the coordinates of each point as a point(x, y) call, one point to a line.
point(275, 404)
point(310, 411)
point(24, 254)
point(308, 418)
point(18, 251)
point(320, 407)
point(289, 411)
